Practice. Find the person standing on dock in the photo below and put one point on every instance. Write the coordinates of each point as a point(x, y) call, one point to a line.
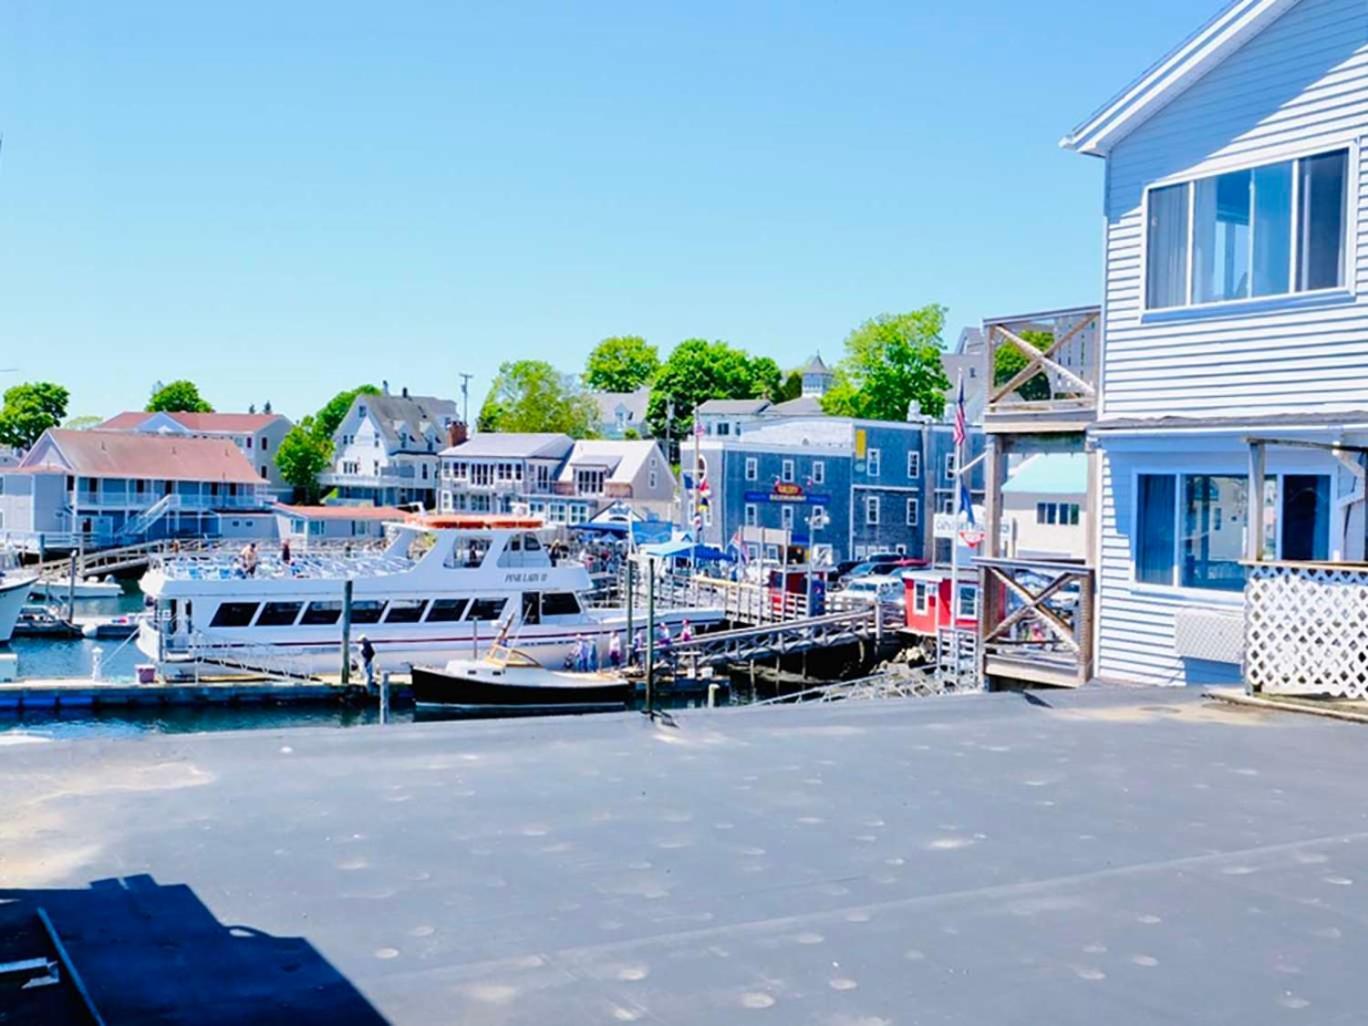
point(686, 632)
point(368, 660)
point(615, 651)
point(638, 646)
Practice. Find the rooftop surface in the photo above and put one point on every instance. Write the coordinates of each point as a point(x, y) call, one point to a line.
point(1105, 856)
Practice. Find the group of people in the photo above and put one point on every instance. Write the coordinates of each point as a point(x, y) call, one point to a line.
point(584, 657)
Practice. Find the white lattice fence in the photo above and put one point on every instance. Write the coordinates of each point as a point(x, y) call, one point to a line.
point(1306, 630)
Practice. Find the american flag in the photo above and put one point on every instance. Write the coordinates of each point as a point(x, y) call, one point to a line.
point(960, 433)
point(742, 556)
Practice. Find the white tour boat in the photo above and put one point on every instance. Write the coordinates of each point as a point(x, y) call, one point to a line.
point(442, 588)
point(14, 592)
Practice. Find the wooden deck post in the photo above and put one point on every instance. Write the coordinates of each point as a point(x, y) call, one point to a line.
point(990, 605)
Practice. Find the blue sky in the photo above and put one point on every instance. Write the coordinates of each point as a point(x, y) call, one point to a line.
point(281, 200)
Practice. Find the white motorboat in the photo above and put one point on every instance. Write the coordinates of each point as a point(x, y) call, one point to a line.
point(508, 680)
point(14, 592)
point(440, 589)
point(90, 588)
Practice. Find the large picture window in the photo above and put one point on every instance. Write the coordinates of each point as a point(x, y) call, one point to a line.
point(1264, 231)
point(1191, 529)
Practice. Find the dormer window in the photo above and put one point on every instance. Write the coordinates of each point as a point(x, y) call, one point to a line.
point(1259, 232)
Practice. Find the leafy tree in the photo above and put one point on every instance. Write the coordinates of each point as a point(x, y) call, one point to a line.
point(327, 419)
point(303, 454)
point(622, 363)
point(29, 410)
point(1009, 360)
point(531, 395)
point(699, 370)
point(82, 423)
point(178, 397)
point(890, 361)
point(792, 386)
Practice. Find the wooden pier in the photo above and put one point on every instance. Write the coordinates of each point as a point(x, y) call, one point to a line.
point(82, 693)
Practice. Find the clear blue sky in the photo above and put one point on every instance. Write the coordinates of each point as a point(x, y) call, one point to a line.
point(279, 200)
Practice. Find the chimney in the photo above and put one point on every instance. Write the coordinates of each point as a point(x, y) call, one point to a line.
point(384, 387)
point(456, 433)
point(404, 391)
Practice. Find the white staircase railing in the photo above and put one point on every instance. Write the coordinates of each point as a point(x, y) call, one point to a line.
point(143, 522)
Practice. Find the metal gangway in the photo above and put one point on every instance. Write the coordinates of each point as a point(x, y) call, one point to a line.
point(957, 658)
point(767, 641)
point(901, 683)
point(205, 650)
point(108, 561)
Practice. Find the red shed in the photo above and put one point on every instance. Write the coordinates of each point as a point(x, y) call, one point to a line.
point(928, 601)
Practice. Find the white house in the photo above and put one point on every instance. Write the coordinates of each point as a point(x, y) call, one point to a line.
point(620, 412)
point(1042, 507)
point(302, 525)
point(257, 435)
point(1235, 309)
point(385, 450)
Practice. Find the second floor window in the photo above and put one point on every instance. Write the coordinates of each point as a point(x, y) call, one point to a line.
point(589, 482)
point(873, 466)
point(1262, 231)
point(949, 466)
point(872, 510)
point(913, 508)
point(752, 515)
point(787, 468)
point(752, 468)
point(818, 471)
point(914, 464)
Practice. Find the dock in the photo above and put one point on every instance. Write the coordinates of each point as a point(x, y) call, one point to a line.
point(1084, 856)
point(83, 693)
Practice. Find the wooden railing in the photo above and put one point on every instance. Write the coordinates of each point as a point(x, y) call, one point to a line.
point(1059, 352)
point(1037, 620)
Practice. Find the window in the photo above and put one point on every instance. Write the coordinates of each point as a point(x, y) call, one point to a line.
point(1215, 512)
point(233, 614)
point(819, 471)
point(968, 602)
point(248, 440)
point(405, 610)
point(1263, 231)
point(752, 517)
point(752, 468)
point(560, 603)
point(579, 514)
point(787, 470)
point(920, 594)
point(872, 510)
point(901, 550)
point(265, 444)
point(947, 504)
point(949, 466)
point(914, 464)
point(279, 614)
point(723, 428)
point(1156, 513)
point(446, 610)
point(772, 553)
point(589, 482)
point(367, 610)
point(786, 517)
point(872, 464)
point(817, 519)
point(913, 512)
point(1305, 517)
point(486, 609)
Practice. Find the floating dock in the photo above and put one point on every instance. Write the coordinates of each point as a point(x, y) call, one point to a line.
point(83, 693)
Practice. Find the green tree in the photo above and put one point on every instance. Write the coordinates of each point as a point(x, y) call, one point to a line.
point(303, 454)
point(531, 395)
point(326, 421)
point(178, 397)
point(30, 409)
point(699, 370)
point(622, 363)
point(792, 386)
point(1009, 360)
point(890, 361)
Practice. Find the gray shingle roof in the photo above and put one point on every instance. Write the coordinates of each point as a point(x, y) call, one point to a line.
point(816, 366)
point(733, 406)
point(515, 445)
point(423, 415)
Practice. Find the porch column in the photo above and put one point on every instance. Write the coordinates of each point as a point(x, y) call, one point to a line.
point(1255, 525)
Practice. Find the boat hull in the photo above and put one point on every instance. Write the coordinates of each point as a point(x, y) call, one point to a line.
point(14, 592)
point(470, 691)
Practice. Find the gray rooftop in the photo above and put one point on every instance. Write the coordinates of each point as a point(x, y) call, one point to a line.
point(1107, 856)
point(514, 445)
point(725, 406)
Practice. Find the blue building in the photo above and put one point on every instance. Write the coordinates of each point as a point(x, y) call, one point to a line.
point(872, 486)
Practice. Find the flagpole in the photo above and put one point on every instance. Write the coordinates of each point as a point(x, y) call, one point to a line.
point(954, 534)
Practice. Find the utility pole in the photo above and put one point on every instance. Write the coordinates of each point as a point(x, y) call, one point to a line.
point(465, 399)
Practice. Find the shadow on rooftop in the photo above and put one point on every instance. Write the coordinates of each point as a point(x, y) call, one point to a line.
point(153, 953)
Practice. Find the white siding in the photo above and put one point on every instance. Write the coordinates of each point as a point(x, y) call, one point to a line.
point(1300, 86)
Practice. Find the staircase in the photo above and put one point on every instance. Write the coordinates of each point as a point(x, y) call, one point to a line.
point(138, 526)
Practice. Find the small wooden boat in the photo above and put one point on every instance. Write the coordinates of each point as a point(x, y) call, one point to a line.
point(38, 621)
point(89, 588)
point(508, 679)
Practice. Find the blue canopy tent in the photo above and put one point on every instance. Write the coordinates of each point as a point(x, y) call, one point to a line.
point(686, 548)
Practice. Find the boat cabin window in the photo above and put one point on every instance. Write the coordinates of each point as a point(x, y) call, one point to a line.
point(486, 608)
point(234, 614)
point(320, 614)
point(279, 614)
point(446, 610)
point(467, 553)
point(531, 607)
point(367, 610)
point(405, 611)
point(523, 550)
point(560, 603)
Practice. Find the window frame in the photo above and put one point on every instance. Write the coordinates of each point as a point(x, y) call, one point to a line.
point(786, 517)
point(913, 464)
point(950, 466)
point(913, 511)
point(752, 468)
point(873, 462)
point(788, 471)
point(1293, 155)
point(872, 503)
point(750, 515)
point(819, 472)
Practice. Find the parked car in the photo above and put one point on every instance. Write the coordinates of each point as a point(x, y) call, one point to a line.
point(874, 588)
point(882, 566)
